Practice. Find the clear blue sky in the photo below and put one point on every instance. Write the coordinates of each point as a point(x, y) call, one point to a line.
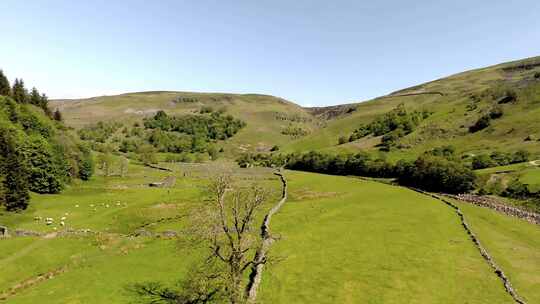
point(310, 52)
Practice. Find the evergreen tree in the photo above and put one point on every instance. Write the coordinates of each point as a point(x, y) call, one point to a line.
point(57, 115)
point(19, 93)
point(5, 89)
point(44, 104)
point(14, 168)
point(35, 98)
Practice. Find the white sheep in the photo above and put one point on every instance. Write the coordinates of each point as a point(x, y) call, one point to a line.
point(62, 224)
point(63, 218)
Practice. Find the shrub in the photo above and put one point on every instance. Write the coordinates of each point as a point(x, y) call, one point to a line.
point(521, 156)
point(481, 124)
point(496, 112)
point(438, 174)
point(516, 189)
point(481, 162)
point(398, 118)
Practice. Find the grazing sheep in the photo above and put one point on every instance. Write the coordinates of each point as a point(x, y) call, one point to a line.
point(37, 218)
point(63, 218)
point(76, 206)
point(62, 224)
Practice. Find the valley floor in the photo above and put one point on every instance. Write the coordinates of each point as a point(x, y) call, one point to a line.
point(342, 240)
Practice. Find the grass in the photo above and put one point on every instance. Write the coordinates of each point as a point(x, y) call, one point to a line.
point(373, 243)
point(343, 240)
point(513, 243)
point(448, 123)
point(527, 173)
point(262, 132)
point(450, 119)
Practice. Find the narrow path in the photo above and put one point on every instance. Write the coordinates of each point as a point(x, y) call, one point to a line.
point(535, 162)
point(497, 269)
point(261, 254)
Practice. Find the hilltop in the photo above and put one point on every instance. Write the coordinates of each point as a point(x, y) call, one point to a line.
point(267, 117)
point(456, 103)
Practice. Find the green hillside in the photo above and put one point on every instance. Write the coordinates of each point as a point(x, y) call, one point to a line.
point(148, 224)
point(266, 116)
point(456, 103)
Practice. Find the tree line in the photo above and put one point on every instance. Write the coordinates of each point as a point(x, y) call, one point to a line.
point(20, 94)
point(37, 153)
point(438, 170)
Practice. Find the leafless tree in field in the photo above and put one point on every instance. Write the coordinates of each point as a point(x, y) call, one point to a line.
point(225, 226)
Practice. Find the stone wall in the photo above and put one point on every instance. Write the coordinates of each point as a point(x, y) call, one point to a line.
point(492, 203)
point(498, 271)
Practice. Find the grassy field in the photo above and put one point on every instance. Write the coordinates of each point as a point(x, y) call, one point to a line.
point(513, 244)
point(343, 240)
point(527, 173)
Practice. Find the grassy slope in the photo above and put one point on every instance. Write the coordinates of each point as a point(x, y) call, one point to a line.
point(447, 125)
point(450, 119)
point(373, 243)
point(513, 244)
point(262, 131)
point(527, 173)
point(343, 241)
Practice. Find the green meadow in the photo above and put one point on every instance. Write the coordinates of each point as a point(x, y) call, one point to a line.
point(341, 240)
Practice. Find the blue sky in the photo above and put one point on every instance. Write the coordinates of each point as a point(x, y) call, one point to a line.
point(310, 52)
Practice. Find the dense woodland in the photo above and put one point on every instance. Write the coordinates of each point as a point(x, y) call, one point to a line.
point(37, 152)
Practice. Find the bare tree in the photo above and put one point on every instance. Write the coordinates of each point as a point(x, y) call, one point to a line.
point(232, 238)
point(226, 227)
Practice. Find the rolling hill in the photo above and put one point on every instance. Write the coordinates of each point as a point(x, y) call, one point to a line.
point(455, 103)
point(266, 116)
point(338, 239)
